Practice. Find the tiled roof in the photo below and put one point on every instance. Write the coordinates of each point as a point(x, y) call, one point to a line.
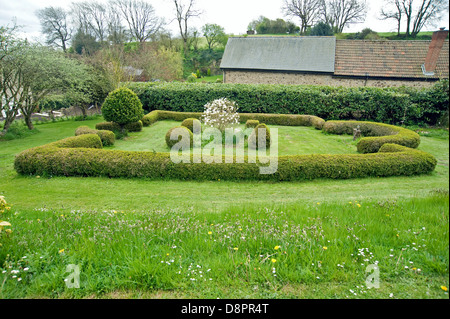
point(400, 59)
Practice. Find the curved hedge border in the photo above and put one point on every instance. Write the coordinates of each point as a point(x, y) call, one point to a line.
point(83, 156)
point(272, 119)
point(375, 134)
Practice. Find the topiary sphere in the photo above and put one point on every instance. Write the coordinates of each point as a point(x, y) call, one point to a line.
point(122, 106)
point(253, 139)
point(189, 123)
point(179, 130)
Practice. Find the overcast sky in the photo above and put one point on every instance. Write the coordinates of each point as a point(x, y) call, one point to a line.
point(233, 15)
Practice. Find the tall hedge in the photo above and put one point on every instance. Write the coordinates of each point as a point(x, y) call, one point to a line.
point(386, 105)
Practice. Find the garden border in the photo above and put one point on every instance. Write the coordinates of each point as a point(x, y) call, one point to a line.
point(83, 156)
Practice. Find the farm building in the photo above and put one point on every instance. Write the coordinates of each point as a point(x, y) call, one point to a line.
point(329, 61)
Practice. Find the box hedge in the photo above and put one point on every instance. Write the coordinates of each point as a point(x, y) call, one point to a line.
point(108, 138)
point(270, 119)
point(388, 105)
point(375, 134)
point(83, 156)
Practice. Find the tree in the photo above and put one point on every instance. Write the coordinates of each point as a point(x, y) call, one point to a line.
point(306, 10)
point(321, 29)
point(214, 34)
point(10, 47)
point(55, 26)
point(185, 11)
point(340, 13)
point(92, 17)
point(414, 13)
point(394, 14)
point(141, 18)
point(85, 43)
point(264, 25)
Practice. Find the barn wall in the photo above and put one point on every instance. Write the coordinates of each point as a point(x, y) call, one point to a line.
point(260, 77)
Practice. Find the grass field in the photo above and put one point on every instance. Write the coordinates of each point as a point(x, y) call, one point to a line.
point(138, 238)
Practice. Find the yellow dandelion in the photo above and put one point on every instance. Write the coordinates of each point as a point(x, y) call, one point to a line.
point(318, 203)
point(276, 247)
point(325, 247)
point(274, 260)
point(350, 202)
point(210, 233)
point(235, 248)
point(61, 251)
point(167, 254)
point(396, 235)
point(444, 288)
point(358, 205)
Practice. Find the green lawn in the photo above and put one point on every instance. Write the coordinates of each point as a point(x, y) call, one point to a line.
point(136, 238)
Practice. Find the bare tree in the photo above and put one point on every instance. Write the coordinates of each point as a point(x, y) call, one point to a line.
point(306, 10)
point(141, 18)
point(395, 13)
point(340, 13)
point(185, 11)
point(428, 12)
point(55, 26)
point(414, 13)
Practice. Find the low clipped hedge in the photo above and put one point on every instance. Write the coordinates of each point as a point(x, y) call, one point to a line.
point(375, 134)
point(115, 127)
point(107, 137)
point(271, 119)
point(387, 151)
point(251, 123)
point(83, 156)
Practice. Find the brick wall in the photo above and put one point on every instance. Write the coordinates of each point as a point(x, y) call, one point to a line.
point(256, 77)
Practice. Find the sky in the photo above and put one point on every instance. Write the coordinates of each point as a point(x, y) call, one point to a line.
point(233, 15)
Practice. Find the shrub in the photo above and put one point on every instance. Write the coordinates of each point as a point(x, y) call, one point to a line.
point(220, 113)
point(107, 137)
point(179, 131)
point(109, 126)
point(122, 106)
point(189, 123)
point(60, 158)
point(387, 105)
point(375, 134)
point(134, 126)
point(251, 123)
point(253, 139)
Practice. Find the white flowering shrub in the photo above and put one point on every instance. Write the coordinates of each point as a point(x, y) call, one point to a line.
point(220, 113)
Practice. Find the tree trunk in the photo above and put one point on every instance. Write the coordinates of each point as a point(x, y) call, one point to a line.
point(28, 121)
point(6, 126)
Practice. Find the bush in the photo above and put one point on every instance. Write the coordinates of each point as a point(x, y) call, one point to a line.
point(375, 134)
point(251, 123)
point(189, 123)
point(253, 139)
point(272, 119)
point(402, 105)
point(134, 126)
point(109, 126)
point(61, 158)
point(122, 106)
point(180, 131)
point(108, 138)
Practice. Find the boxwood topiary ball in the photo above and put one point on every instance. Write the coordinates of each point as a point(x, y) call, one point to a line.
point(180, 131)
point(253, 139)
point(189, 123)
point(122, 106)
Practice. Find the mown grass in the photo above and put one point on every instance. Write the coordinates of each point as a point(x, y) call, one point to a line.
point(135, 238)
